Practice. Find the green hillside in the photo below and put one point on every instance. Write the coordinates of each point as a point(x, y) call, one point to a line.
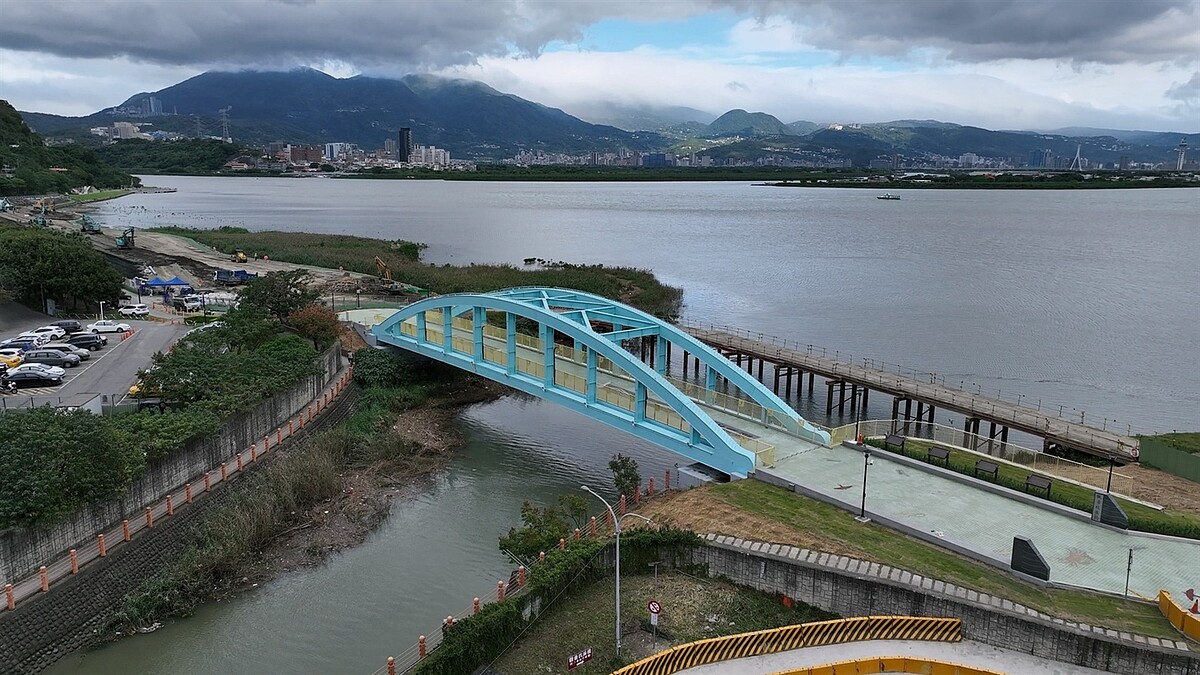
point(192, 156)
point(30, 167)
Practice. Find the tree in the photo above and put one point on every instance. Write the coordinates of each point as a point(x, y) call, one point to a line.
point(279, 293)
point(315, 322)
point(52, 462)
point(38, 264)
point(625, 474)
point(544, 527)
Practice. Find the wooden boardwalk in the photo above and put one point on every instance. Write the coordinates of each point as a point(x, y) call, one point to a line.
point(1051, 428)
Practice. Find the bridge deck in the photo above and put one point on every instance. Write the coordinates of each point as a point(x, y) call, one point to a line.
point(1036, 422)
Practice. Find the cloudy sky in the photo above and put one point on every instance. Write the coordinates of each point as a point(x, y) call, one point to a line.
point(1031, 64)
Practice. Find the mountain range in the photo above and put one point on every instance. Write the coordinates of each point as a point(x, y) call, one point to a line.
point(473, 120)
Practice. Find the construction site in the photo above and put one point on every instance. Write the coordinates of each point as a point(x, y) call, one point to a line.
point(135, 251)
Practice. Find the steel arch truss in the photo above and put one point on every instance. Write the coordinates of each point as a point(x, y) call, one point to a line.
point(455, 329)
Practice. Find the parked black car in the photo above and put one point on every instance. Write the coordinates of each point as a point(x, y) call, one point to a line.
point(33, 378)
point(69, 325)
point(89, 341)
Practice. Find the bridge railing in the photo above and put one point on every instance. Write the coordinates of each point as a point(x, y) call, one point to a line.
point(1019, 399)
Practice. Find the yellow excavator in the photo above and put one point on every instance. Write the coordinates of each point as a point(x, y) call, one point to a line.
point(239, 256)
point(385, 272)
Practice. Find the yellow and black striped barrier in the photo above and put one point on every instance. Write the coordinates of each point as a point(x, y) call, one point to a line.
point(799, 636)
point(891, 664)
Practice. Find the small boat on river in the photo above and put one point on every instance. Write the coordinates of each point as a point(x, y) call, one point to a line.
point(888, 195)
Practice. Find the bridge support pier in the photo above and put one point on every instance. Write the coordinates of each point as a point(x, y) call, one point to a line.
point(970, 433)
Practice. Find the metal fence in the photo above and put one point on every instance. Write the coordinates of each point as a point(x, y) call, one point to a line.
point(1011, 453)
point(1161, 456)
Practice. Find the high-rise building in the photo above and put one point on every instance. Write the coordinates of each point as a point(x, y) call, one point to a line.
point(405, 147)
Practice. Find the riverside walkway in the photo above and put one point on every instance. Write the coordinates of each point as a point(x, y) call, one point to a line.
point(956, 512)
point(787, 357)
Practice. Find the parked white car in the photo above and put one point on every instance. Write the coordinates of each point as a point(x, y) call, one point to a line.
point(38, 338)
point(51, 332)
point(134, 311)
point(107, 326)
point(53, 370)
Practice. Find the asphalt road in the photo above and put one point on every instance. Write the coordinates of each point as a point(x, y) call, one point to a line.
point(109, 371)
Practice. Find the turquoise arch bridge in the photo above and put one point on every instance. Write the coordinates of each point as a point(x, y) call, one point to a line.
point(569, 351)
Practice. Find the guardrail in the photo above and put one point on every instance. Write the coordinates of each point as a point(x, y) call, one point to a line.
point(1184, 621)
point(798, 636)
point(892, 664)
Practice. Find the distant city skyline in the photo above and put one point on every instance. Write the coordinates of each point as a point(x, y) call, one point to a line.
point(998, 64)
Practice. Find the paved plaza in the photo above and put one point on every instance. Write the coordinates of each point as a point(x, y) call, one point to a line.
point(1079, 552)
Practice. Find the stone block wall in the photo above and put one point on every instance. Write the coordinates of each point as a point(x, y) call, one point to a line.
point(45, 628)
point(23, 550)
point(853, 587)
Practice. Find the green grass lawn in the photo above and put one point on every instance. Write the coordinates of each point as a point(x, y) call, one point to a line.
point(636, 287)
point(98, 196)
point(888, 546)
point(1141, 517)
point(1188, 442)
point(693, 609)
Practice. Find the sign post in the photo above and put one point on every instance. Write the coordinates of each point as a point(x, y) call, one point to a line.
point(655, 609)
point(576, 660)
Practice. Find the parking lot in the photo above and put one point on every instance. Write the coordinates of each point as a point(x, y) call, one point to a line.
point(109, 371)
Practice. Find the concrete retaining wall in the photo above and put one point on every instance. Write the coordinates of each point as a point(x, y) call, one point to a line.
point(852, 587)
point(51, 625)
point(23, 550)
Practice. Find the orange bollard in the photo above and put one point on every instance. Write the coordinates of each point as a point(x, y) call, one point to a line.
point(310, 412)
point(521, 577)
point(593, 533)
point(207, 482)
point(449, 622)
point(577, 534)
point(421, 647)
point(541, 556)
point(279, 433)
point(149, 517)
point(9, 597)
point(650, 488)
point(239, 461)
point(100, 546)
point(124, 529)
point(499, 591)
point(562, 543)
point(289, 427)
point(224, 473)
point(391, 665)
point(187, 492)
point(253, 452)
point(637, 496)
point(170, 506)
point(266, 443)
point(45, 579)
point(608, 518)
point(622, 506)
point(74, 562)
point(667, 481)
point(475, 606)
point(301, 419)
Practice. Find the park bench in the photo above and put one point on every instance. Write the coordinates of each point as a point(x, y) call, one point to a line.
point(894, 439)
point(984, 466)
point(938, 453)
point(1040, 482)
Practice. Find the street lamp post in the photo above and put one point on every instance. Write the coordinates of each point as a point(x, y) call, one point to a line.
point(101, 310)
point(617, 531)
point(858, 417)
point(862, 509)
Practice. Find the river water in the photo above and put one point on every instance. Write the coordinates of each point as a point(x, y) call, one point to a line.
point(1088, 299)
